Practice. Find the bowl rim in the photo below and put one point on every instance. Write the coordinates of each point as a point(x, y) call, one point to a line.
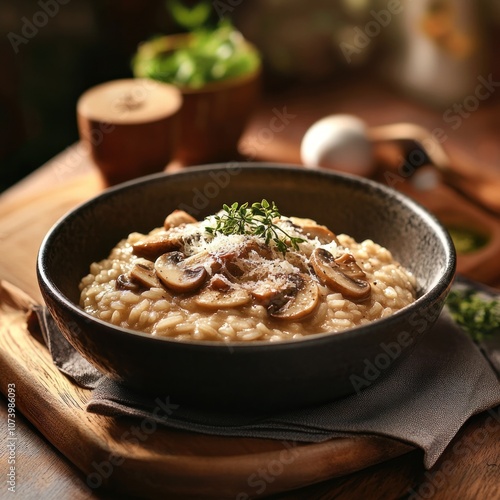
point(438, 288)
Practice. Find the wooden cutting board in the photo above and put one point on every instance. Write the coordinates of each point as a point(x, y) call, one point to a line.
point(168, 463)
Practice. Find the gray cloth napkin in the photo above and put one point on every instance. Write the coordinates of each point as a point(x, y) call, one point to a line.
point(423, 401)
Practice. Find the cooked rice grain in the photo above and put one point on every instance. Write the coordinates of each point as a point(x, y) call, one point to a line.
point(161, 313)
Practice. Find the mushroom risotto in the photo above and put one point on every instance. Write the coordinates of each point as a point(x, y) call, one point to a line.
point(246, 273)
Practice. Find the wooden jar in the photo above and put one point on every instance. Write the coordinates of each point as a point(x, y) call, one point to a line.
point(130, 126)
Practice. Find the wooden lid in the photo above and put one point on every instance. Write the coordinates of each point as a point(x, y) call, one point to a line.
point(129, 101)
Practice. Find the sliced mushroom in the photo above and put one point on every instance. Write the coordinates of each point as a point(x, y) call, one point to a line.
point(177, 218)
point(154, 245)
point(298, 260)
point(313, 230)
point(237, 261)
point(143, 272)
point(264, 293)
point(298, 301)
point(342, 275)
point(244, 250)
point(220, 282)
point(125, 282)
point(323, 234)
point(277, 288)
point(222, 294)
point(204, 259)
point(349, 267)
point(260, 249)
point(234, 268)
point(174, 274)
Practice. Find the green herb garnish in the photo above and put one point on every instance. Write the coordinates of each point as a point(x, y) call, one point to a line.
point(480, 318)
point(256, 219)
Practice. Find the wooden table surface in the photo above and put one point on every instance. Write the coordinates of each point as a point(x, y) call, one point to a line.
point(470, 466)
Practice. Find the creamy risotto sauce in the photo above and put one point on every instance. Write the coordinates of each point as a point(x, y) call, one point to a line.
point(183, 282)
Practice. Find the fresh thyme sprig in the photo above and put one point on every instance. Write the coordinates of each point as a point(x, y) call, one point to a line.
point(256, 219)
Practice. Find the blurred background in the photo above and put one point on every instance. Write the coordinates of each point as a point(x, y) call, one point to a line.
point(430, 51)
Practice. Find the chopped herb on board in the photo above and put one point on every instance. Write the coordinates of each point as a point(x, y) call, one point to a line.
point(480, 318)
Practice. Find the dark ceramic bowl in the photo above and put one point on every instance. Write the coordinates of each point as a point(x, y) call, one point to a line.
point(257, 375)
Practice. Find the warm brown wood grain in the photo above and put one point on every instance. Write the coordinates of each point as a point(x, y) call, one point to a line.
point(42, 471)
point(24, 223)
point(166, 461)
point(469, 469)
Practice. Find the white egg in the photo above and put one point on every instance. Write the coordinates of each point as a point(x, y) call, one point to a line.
point(338, 142)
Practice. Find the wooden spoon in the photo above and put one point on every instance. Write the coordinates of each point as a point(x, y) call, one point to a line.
point(420, 148)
